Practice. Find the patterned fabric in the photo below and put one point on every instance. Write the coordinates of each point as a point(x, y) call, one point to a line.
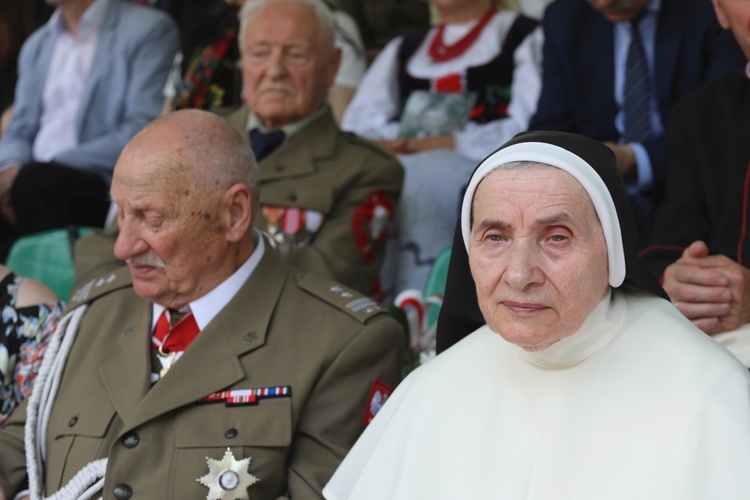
point(202, 85)
point(24, 334)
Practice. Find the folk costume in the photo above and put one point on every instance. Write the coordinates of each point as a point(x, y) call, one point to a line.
point(638, 403)
point(264, 403)
point(497, 58)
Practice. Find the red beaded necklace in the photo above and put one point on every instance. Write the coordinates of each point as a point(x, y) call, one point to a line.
point(440, 52)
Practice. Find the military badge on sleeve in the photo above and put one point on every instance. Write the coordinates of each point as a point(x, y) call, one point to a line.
point(379, 393)
point(228, 478)
point(370, 223)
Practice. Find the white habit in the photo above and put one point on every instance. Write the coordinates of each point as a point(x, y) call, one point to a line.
point(638, 404)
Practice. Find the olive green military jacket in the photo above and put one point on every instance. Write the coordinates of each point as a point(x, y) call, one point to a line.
point(313, 345)
point(323, 171)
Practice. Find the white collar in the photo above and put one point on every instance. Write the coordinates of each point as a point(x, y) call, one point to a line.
point(205, 308)
point(599, 328)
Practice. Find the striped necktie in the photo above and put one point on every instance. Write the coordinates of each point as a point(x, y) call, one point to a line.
point(637, 91)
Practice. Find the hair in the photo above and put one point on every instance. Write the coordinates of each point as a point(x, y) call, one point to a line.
point(322, 12)
point(16, 24)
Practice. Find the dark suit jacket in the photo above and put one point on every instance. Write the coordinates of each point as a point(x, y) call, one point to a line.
point(578, 68)
point(707, 181)
point(282, 328)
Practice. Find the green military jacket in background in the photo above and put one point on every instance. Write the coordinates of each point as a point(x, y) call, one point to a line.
point(339, 175)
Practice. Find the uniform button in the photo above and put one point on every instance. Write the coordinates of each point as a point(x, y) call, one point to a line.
point(123, 492)
point(231, 433)
point(130, 440)
point(292, 197)
point(279, 168)
point(73, 421)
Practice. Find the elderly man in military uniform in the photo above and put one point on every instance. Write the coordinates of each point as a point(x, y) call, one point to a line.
point(206, 368)
point(327, 197)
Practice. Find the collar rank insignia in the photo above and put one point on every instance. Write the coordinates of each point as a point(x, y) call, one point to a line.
point(243, 397)
point(228, 478)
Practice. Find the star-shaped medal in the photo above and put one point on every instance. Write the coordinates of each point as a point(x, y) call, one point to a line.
point(228, 478)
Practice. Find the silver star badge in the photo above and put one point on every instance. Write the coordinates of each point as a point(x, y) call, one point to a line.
point(228, 478)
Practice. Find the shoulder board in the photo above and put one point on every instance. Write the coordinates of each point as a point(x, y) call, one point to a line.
point(341, 297)
point(100, 285)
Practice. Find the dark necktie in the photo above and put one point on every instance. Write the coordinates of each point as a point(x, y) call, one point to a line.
point(265, 143)
point(637, 91)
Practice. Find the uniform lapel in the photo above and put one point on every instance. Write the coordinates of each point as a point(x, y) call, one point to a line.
point(298, 157)
point(212, 362)
point(126, 375)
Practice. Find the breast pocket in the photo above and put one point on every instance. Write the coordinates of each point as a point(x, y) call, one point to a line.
point(78, 428)
point(261, 433)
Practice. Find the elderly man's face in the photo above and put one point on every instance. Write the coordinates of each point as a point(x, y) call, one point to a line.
point(735, 15)
point(537, 253)
point(286, 70)
point(171, 234)
point(619, 10)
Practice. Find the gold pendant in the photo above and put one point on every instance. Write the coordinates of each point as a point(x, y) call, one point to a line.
point(166, 368)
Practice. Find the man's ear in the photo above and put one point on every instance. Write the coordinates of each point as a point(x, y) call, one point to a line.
point(238, 216)
point(720, 14)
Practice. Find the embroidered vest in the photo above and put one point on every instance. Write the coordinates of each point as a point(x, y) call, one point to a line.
point(492, 81)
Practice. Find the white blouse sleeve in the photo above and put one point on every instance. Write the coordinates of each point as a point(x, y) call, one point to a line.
point(375, 104)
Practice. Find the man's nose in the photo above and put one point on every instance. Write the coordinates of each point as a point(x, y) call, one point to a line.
point(129, 243)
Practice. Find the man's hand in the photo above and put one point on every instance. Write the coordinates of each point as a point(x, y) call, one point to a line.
point(712, 291)
point(624, 156)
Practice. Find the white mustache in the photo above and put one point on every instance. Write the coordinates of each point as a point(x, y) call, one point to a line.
point(147, 259)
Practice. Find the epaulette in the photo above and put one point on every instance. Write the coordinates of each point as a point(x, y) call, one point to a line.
point(100, 285)
point(341, 297)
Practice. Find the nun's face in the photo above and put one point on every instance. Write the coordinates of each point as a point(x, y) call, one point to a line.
point(537, 253)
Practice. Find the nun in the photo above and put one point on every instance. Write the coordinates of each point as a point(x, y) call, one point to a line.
point(582, 382)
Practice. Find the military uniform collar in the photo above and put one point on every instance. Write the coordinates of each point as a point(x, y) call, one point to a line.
point(290, 129)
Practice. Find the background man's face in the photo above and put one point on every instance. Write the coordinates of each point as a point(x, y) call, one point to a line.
point(619, 10)
point(537, 253)
point(286, 71)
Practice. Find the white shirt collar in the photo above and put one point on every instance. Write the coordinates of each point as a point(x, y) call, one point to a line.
point(92, 18)
point(205, 308)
